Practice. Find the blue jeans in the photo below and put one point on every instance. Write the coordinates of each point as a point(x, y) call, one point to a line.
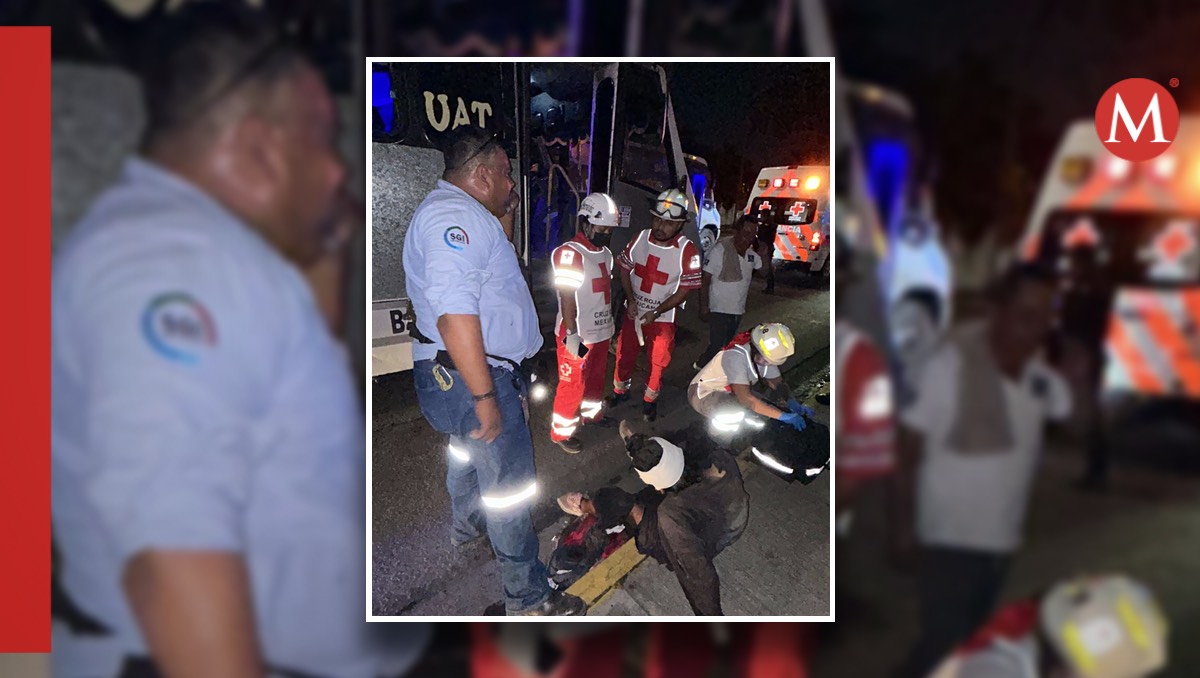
point(501, 472)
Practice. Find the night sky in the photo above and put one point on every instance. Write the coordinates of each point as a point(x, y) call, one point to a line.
point(761, 114)
point(993, 82)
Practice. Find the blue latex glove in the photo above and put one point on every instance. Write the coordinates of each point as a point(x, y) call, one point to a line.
point(795, 406)
point(795, 419)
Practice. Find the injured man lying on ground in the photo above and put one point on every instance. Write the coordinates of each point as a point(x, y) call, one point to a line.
point(693, 508)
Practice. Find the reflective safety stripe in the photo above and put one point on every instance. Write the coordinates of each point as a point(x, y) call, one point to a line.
point(728, 421)
point(590, 408)
point(563, 426)
point(509, 500)
point(755, 422)
point(458, 453)
point(570, 279)
point(814, 471)
point(770, 461)
point(1152, 343)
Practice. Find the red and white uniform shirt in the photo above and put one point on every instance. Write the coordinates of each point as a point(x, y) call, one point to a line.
point(658, 271)
point(579, 266)
point(866, 424)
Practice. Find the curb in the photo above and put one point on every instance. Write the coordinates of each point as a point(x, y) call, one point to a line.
point(600, 581)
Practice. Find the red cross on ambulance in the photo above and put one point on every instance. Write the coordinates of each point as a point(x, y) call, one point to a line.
point(1172, 252)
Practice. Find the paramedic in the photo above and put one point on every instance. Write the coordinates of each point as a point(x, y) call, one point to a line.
point(659, 268)
point(721, 391)
point(583, 276)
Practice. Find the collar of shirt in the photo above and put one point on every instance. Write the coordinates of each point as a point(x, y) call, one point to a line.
point(446, 185)
point(144, 172)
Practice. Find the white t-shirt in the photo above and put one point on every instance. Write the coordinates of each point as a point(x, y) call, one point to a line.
point(978, 501)
point(729, 297)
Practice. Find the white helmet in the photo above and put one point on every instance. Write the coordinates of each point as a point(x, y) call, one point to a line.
point(600, 210)
point(1106, 627)
point(672, 205)
point(774, 342)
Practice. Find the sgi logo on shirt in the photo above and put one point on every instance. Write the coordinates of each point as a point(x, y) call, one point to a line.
point(178, 327)
point(457, 238)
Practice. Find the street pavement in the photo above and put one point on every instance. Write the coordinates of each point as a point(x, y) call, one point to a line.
point(415, 569)
point(779, 566)
point(1147, 526)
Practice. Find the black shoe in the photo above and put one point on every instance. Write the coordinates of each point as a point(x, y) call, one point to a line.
point(822, 398)
point(571, 445)
point(616, 399)
point(769, 289)
point(650, 411)
point(602, 422)
point(559, 604)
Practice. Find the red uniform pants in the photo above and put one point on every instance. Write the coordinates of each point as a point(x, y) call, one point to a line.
point(660, 341)
point(580, 388)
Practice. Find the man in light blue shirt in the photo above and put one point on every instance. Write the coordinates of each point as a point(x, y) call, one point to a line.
point(207, 440)
point(473, 305)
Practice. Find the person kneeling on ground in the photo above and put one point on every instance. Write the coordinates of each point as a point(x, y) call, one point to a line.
point(694, 508)
point(722, 389)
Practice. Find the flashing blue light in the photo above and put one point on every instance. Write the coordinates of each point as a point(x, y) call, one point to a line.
point(698, 186)
point(381, 98)
point(887, 173)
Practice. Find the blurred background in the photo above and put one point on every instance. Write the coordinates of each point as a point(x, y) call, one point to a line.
point(958, 152)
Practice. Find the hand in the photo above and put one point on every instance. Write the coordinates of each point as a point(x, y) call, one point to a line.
point(575, 346)
point(511, 203)
point(649, 317)
point(704, 314)
point(490, 423)
point(347, 219)
point(795, 406)
point(794, 419)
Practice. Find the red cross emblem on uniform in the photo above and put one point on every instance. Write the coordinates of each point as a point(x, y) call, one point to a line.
point(797, 208)
point(650, 274)
point(601, 284)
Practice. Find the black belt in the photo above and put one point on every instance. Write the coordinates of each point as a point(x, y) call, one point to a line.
point(524, 368)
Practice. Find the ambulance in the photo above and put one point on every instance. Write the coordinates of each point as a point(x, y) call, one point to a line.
point(795, 199)
point(1140, 223)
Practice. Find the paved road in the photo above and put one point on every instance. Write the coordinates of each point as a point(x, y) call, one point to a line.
point(417, 572)
point(1147, 526)
point(779, 566)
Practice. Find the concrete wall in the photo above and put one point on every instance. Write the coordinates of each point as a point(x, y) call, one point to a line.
point(401, 177)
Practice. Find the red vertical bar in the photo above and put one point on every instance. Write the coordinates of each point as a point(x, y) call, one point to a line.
point(25, 300)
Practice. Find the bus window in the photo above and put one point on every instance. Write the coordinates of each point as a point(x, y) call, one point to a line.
point(645, 160)
point(388, 113)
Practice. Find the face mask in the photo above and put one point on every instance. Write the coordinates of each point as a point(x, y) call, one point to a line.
point(601, 239)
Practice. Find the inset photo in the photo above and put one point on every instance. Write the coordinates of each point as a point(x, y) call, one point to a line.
point(601, 330)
